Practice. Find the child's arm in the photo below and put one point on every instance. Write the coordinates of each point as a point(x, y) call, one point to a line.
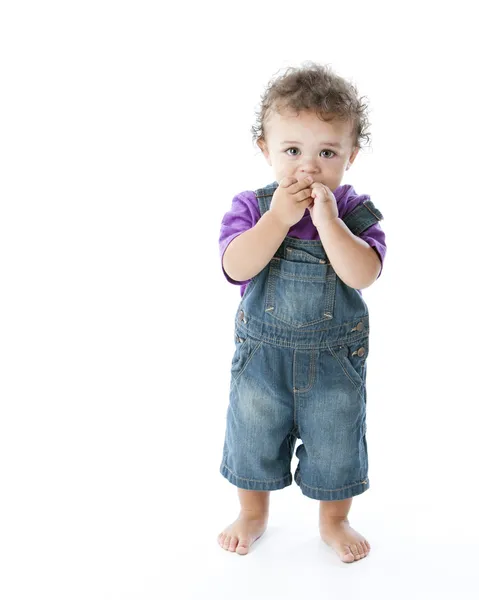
point(251, 251)
point(353, 259)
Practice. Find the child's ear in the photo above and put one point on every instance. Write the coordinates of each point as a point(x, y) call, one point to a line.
point(264, 149)
point(352, 157)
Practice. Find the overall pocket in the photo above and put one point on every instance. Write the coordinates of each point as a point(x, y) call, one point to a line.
point(352, 358)
point(244, 351)
point(300, 293)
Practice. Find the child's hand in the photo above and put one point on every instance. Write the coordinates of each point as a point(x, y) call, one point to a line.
point(290, 199)
point(324, 207)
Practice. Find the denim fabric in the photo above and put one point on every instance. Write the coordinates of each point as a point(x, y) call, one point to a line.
point(299, 372)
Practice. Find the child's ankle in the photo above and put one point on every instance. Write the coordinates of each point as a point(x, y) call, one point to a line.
point(258, 514)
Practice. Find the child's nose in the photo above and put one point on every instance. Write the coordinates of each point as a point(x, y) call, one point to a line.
point(313, 172)
point(310, 167)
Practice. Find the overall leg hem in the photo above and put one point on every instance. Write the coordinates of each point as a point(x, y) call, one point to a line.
point(255, 484)
point(342, 493)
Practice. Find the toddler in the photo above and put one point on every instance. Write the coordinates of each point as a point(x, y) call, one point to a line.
point(301, 249)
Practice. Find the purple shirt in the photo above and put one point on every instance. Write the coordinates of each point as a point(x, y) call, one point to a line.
point(245, 213)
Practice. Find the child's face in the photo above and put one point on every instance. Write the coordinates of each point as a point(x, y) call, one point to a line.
point(298, 145)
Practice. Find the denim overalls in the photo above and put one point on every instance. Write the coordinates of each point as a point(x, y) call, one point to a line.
point(299, 371)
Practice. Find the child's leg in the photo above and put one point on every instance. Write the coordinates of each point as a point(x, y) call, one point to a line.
point(336, 532)
point(250, 524)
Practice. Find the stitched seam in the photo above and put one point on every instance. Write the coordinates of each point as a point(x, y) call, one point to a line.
point(301, 325)
point(312, 373)
point(307, 278)
point(305, 256)
point(348, 339)
point(378, 215)
point(294, 389)
point(269, 287)
point(253, 352)
point(331, 291)
point(256, 480)
point(362, 482)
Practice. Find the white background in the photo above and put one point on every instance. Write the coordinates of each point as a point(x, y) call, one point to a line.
point(125, 134)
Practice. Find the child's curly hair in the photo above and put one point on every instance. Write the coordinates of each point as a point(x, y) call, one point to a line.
point(314, 87)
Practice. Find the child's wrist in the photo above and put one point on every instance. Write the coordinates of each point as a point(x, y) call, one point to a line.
point(276, 222)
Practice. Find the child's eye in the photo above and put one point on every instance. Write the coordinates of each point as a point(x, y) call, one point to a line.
point(287, 152)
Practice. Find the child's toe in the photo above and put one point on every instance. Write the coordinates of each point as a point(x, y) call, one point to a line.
point(357, 551)
point(226, 542)
point(347, 555)
point(243, 547)
point(233, 543)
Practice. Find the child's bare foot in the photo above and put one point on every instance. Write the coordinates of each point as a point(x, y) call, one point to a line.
point(239, 536)
point(347, 543)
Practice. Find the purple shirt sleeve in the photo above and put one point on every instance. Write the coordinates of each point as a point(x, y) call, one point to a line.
point(375, 237)
point(243, 214)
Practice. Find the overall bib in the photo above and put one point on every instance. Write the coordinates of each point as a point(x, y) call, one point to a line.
point(299, 372)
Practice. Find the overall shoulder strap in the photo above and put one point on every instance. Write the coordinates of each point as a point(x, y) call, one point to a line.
point(264, 196)
point(362, 217)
